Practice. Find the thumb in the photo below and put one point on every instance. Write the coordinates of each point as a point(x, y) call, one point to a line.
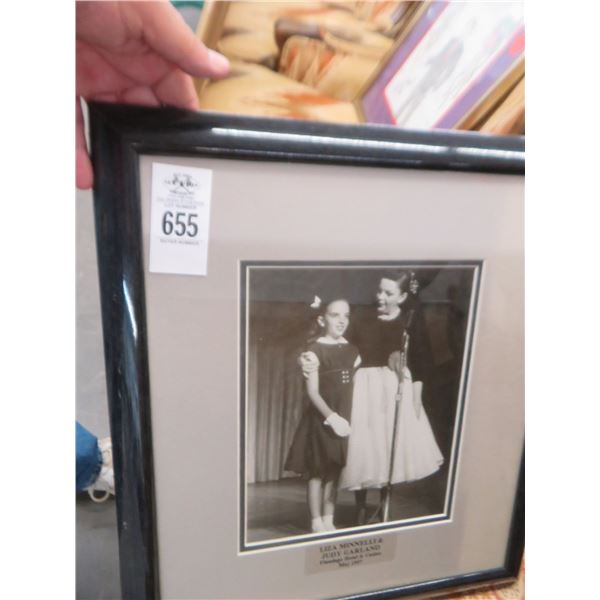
point(84, 175)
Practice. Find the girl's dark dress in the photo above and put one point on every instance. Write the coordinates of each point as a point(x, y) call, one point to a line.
point(316, 450)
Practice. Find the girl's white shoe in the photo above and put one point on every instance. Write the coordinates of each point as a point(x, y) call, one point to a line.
point(328, 523)
point(317, 525)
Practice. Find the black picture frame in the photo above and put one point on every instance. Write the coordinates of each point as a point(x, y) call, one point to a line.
point(119, 135)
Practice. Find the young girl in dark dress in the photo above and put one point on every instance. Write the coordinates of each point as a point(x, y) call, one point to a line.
point(320, 444)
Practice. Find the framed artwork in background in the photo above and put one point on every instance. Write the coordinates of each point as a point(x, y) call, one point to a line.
point(314, 354)
point(453, 65)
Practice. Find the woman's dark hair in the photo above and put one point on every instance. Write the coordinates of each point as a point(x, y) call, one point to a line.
point(402, 279)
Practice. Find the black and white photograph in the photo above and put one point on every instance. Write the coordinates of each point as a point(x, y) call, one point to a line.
point(353, 383)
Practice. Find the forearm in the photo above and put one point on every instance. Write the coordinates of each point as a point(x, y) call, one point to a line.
point(417, 397)
point(418, 389)
point(319, 403)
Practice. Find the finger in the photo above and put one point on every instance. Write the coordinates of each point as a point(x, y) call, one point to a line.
point(84, 175)
point(105, 97)
point(95, 74)
point(177, 89)
point(165, 31)
point(140, 95)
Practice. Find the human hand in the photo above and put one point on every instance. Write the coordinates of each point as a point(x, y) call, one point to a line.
point(339, 425)
point(308, 362)
point(395, 362)
point(136, 53)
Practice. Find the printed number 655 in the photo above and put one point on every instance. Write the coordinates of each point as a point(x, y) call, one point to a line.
point(177, 223)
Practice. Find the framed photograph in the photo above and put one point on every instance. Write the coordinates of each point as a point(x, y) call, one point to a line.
point(282, 432)
point(314, 354)
point(455, 62)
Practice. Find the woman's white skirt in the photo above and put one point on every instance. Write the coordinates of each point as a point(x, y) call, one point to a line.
point(416, 453)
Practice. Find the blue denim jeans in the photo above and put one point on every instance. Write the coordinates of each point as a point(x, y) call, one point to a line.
point(89, 457)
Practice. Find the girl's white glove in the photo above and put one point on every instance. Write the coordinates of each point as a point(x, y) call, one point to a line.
point(339, 425)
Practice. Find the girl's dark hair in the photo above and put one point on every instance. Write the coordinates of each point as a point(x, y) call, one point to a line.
point(314, 329)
